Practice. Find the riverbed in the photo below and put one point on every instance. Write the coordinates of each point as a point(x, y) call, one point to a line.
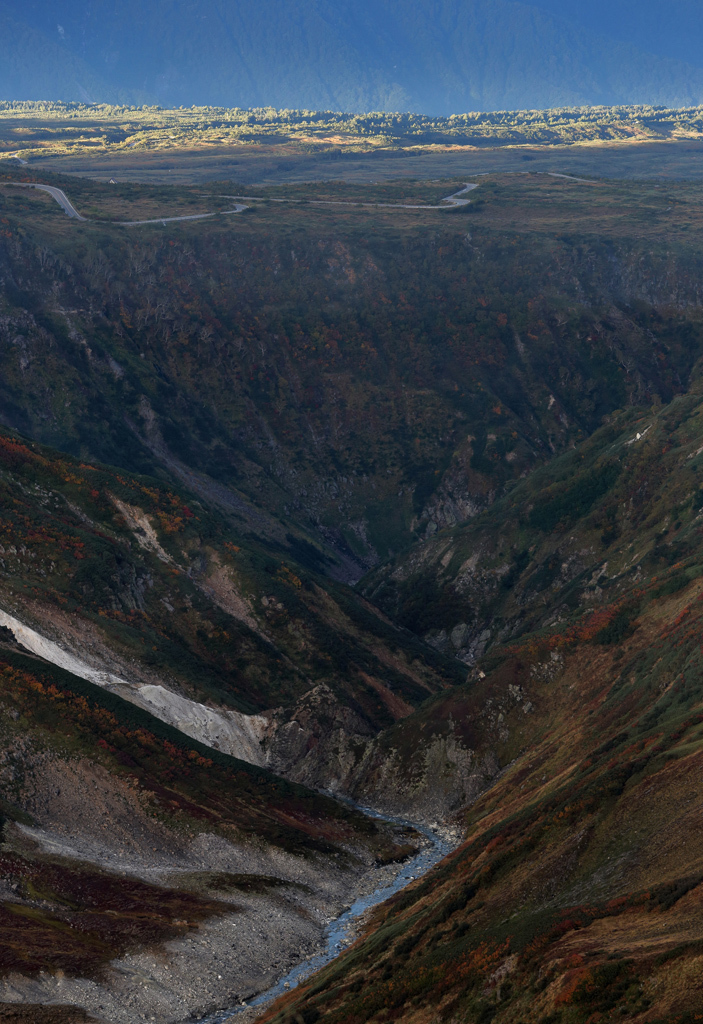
point(342, 931)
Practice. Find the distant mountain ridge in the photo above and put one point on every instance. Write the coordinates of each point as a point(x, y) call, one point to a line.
point(430, 56)
point(679, 35)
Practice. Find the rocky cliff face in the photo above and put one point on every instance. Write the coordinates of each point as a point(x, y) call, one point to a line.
point(325, 746)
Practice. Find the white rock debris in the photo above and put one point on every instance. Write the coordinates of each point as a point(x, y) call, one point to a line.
point(229, 731)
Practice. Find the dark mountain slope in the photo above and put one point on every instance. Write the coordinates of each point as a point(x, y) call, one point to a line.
point(349, 378)
point(433, 57)
point(258, 359)
point(618, 508)
point(34, 62)
point(143, 582)
point(678, 34)
point(578, 895)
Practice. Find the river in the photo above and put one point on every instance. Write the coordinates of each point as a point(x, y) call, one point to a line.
point(338, 934)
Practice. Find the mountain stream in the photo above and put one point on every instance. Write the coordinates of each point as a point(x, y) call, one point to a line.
point(340, 933)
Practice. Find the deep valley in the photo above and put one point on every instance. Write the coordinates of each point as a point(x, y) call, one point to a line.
point(351, 499)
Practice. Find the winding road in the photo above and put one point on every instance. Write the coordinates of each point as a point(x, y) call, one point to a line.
point(67, 206)
point(56, 193)
point(448, 203)
point(445, 204)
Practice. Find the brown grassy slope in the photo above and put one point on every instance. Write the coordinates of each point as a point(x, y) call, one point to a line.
point(73, 919)
point(578, 895)
point(577, 549)
point(579, 887)
point(191, 785)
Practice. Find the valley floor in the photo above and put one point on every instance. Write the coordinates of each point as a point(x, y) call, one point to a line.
point(272, 918)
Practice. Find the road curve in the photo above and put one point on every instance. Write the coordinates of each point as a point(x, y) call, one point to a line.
point(60, 197)
point(68, 207)
point(445, 204)
point(239, 208)
point(65, 203)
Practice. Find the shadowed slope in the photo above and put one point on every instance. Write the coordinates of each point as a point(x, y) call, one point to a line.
point(578, 890)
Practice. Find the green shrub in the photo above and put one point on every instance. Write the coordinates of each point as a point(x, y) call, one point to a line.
point(574, 501)
point(673, 585)
point(619, 629)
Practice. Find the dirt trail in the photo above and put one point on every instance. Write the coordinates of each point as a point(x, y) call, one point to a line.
point(570, 177)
